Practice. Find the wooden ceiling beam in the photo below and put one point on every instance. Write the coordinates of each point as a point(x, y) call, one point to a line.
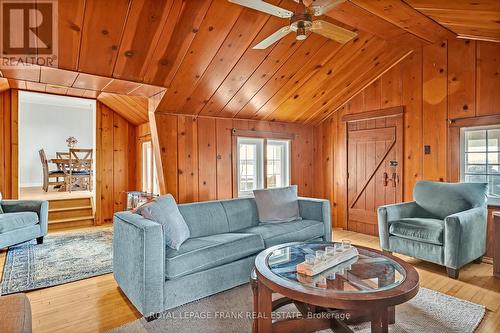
point(407, 18)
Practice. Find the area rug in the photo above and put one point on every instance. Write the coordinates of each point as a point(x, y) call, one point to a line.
point(230, 312)
point(60, 259)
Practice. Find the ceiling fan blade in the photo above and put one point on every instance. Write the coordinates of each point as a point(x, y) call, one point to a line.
point(321, 7)
point(273, 38)
point(264, 7)
point(332, 31)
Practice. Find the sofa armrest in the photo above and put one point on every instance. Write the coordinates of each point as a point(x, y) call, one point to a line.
point(138, 260)
point(40, 207)
point(318, 210)
point(465, 236)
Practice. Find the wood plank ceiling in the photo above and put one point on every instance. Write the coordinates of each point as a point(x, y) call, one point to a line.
point(201, 52)
point(475, 19)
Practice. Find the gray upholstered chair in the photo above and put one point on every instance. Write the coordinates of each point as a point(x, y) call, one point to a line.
point(23, 220)
point(446, 224)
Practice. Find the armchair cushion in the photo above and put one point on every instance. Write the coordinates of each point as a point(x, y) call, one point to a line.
point(419, 229)
point(13, 221)
point(444, 199)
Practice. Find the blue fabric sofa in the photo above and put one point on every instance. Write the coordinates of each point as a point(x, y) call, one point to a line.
point(23, 220)
point(446, 224)
point(225, 238)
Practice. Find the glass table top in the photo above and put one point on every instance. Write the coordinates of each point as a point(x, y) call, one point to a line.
point(367, 272)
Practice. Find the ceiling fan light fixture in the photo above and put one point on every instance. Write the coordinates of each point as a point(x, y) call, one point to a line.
point(301, 34)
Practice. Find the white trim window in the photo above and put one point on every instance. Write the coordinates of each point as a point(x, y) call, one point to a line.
point(480, 158)
point(149, 179)
point(257, 157)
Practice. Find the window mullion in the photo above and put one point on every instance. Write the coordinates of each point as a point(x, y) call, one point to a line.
point(265, 163)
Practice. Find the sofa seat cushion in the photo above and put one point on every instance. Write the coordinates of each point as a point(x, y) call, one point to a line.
point(13, 221)
point(285, 232)
point(419, 229)
point(201, 253)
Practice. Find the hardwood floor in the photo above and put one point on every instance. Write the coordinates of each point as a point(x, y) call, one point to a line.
point(96, 304)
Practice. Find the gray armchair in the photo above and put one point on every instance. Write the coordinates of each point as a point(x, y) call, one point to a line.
point(23, 220)
point(446, 224)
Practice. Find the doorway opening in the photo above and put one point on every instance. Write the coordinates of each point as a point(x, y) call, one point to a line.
point(57, 140)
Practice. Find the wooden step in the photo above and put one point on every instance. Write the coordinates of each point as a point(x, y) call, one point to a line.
point(67, 203)
point(71, 225)
point(74, 219)
point(70, 212)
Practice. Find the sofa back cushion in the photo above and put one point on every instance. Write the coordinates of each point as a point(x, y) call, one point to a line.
point(277, 204)
point(241, 213)
point(444, 199)
point(205, 218)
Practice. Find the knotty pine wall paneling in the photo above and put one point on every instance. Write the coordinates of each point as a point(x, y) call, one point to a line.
point(454, 79)
point(196, 154)
point(116, 162)
point(9, 144)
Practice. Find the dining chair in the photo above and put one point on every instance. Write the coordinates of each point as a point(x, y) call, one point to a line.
point(48, 174)
point(81, 153)
point(81, 172)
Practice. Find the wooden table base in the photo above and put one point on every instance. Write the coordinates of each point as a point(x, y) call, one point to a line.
point(312, 318)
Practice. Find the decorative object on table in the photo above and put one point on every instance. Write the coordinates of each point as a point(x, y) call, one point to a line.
point(61, 259)
point(71, 141)
point(135, 199)
point(446, 224)
point(429, 311)
point(23, 220)
point(329, 258)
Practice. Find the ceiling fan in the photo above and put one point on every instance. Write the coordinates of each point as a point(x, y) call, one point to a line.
point(301, 21)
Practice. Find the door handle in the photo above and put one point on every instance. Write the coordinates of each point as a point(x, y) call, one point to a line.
point(394, 179)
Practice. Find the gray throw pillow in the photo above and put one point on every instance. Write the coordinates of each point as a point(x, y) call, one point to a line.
point(277, 204)
point(1, 210)
point(164, 210)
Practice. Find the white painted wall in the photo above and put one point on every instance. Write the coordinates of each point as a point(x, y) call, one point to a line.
point(46, 121)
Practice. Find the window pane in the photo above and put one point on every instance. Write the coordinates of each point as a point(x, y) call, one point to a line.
point(494, 185)
point(475, 179)
point(277, 163)
point(475, 158)
point(493, 140)
point(475, 168)
point(494, 169)
point(493, 158)
point(475, 141)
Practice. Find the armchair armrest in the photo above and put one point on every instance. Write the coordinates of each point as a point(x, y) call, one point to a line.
point(319, 210)
point(138, 260)
point(465, 236)
point(40, 207)
point(395, 212)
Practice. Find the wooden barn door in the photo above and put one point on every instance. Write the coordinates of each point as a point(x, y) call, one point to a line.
point(375, 166)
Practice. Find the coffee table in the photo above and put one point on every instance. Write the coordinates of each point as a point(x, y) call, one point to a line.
point(365, 288)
